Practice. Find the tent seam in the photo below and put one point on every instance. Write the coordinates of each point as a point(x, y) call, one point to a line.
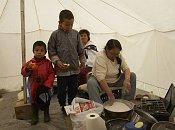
point(65, 8)
point(127, 14)
point(3, 77)
point(155, 40)
point(3, 9)
point(151, 84)
point(37, 14)
point(139, 33)
point(93, 16)
point(96, 33)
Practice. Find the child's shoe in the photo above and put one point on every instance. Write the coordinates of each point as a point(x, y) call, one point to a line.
point(46, 115)
point(63, 110)
point(34, 121)
point(35, 117)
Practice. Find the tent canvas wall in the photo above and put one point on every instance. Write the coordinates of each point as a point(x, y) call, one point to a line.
point(146, 30)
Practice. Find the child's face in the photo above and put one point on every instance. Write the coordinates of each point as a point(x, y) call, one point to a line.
point(39, 52)
point(84, 38)
point(66, 24)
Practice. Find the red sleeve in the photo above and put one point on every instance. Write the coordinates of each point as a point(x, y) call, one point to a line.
point(51, 77)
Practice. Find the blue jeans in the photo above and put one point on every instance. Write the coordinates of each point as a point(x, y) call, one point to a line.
point(95, 91)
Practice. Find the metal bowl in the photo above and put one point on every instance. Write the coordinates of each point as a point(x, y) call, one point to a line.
point(116, 124)
point(112, 114)
point(146, 118)
point(163, 125)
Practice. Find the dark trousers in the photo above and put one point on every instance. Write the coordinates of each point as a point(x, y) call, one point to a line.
point(67, 85)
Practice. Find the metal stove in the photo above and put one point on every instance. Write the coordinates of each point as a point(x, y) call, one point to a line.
point(156, 108)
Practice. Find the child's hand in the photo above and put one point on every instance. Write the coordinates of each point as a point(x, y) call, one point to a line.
point(62, 66)
point(65, 67)
point(31, 65)
point(39, 80)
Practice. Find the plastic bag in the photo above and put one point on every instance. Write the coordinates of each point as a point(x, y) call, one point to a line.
point(79, 120)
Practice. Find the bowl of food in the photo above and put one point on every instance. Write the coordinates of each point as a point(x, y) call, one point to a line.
point(118, 109)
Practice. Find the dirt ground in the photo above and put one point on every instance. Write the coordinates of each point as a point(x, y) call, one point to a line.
point(8, 120)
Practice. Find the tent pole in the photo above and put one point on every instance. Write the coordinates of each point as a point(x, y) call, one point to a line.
point(23, 49)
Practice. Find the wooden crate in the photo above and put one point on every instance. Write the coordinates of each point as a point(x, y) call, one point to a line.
point(23, 111)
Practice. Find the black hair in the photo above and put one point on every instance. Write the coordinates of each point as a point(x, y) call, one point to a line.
point(113, 43)
point(65, 14)
point(39, 43)
point(82, 31)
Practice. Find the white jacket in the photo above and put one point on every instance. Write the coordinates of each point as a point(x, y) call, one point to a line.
point(90, 53)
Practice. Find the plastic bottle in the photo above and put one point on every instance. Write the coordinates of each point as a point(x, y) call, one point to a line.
point(151, 95)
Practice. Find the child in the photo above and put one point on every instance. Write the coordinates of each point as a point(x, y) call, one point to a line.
point(41, 77)
point(90, 53)
point(66, 51)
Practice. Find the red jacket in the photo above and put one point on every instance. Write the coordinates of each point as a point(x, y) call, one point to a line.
point(43, 69)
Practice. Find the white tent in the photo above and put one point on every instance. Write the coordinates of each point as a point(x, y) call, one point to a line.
point(146, 29)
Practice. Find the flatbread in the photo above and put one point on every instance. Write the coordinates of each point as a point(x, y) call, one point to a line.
point(118, 107)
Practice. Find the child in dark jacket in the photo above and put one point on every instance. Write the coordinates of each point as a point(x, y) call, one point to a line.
point(41, 76)
point(66, 52)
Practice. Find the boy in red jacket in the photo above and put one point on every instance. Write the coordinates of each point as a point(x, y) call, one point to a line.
point(41, 75)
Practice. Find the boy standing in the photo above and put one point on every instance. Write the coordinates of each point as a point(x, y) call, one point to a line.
point(66, 52)
point(41, 77)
